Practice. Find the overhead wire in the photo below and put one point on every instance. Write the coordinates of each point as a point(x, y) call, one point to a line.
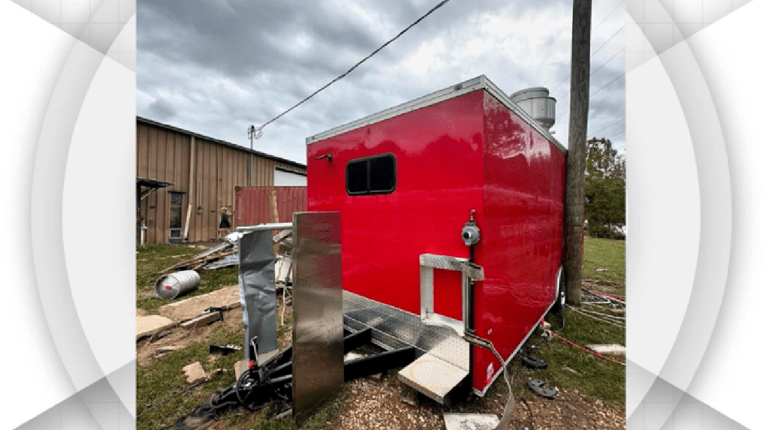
point(607, 61)
point(608, 126)
point(567, 94)
point(607, 16)
point(609, 39)
point(606, 85)
point(439, 5)
point(593, 32)
point(592, 55)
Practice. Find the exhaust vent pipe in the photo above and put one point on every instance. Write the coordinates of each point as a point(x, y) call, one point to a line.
point(537, 103)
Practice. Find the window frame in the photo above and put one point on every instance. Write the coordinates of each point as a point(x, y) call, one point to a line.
point(367, 160)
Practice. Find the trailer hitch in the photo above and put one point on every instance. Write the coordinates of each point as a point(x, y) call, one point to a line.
point(272, 381)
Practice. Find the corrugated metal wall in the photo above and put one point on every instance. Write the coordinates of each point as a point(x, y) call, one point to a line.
point(254, 204)
point(163, 153)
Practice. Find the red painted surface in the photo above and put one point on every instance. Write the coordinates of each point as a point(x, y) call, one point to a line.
point(253, 204)
point(465, 153)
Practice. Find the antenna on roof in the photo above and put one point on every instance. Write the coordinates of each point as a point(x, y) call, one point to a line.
point(253, 133)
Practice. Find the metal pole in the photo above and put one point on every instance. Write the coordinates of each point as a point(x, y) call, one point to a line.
point(577, 137)
point(250, 163)
point(270, 226)
point(253, 133)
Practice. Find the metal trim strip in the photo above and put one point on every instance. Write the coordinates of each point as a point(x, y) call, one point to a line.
point(421, 102)
point(479, 82)
point(511, 356)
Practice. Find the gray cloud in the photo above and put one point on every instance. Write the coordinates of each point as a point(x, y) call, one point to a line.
point(161, 110)
point(217, 66)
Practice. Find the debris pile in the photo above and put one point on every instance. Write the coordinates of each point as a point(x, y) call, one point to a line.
point(221, 255)
point(225, 255)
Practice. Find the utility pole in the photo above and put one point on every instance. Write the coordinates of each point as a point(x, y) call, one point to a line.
point(577, 138)
point(253, 133)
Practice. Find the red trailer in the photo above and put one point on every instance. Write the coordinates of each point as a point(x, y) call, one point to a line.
point(406, 181)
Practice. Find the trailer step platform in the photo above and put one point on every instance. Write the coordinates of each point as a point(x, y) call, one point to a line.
point(433, 377)
point(442, 356)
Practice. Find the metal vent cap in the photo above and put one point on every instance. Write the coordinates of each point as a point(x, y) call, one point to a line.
point(537, 103)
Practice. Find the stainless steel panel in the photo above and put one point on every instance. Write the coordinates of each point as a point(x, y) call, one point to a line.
point(318, 331)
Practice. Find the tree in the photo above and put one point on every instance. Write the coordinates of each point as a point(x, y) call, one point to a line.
point(605, 190)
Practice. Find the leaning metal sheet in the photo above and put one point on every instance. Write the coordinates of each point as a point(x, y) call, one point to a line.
point(394, 328)
point(318, 331)
point(257, 291)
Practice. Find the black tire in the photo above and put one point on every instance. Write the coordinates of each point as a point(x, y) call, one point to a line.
point(533, 362)
point(559, 305)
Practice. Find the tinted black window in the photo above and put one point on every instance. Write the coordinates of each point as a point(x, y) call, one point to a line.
point(382, 174)
point(357, 177)
point(374, 175)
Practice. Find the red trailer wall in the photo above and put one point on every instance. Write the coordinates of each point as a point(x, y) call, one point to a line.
point(468, 152)
point(253, 204)
point(439, 179)
point(521, 236)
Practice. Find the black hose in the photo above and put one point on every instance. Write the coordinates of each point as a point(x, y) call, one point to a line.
point(239, 386)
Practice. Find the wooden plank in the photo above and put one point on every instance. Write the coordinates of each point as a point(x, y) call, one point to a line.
point(198, 216)
point(152, 174)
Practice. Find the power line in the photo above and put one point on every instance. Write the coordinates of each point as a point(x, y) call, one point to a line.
point(607, 127)
point(598, 68)
point(609, 39)
point(601, 66)
point(590, 96)
point(593, 32)
point(609, 83)
point(607, 16)
point(438, 6)
point(593, 54)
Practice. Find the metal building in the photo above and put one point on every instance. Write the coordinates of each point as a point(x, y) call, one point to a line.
point(184, 178)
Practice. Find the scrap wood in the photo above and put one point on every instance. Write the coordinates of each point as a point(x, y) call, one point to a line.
point(223, 349)
point(609, 349)
point(198, 262)
point(194, 372)
point(282, 235)
point(587, 350)
point(204, 319)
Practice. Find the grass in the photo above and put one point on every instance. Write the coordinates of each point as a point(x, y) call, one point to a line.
point(570, 367)
point(160, 386)
point(161, 399)
point(242, 420)
point(152, 259)
point(605, 254)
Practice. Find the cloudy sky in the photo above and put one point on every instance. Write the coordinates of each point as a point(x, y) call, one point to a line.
point(215, 67)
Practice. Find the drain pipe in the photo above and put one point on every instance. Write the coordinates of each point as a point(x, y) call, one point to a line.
point(470, 234)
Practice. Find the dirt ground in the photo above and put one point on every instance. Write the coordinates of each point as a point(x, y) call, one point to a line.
point(178, 338)
point(372, 403)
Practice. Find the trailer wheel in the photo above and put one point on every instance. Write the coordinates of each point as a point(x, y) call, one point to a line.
point(560, 299)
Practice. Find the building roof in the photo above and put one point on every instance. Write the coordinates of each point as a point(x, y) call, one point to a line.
point(218, 141)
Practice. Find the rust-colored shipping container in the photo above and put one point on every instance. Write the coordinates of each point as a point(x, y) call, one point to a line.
point(254, 204)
